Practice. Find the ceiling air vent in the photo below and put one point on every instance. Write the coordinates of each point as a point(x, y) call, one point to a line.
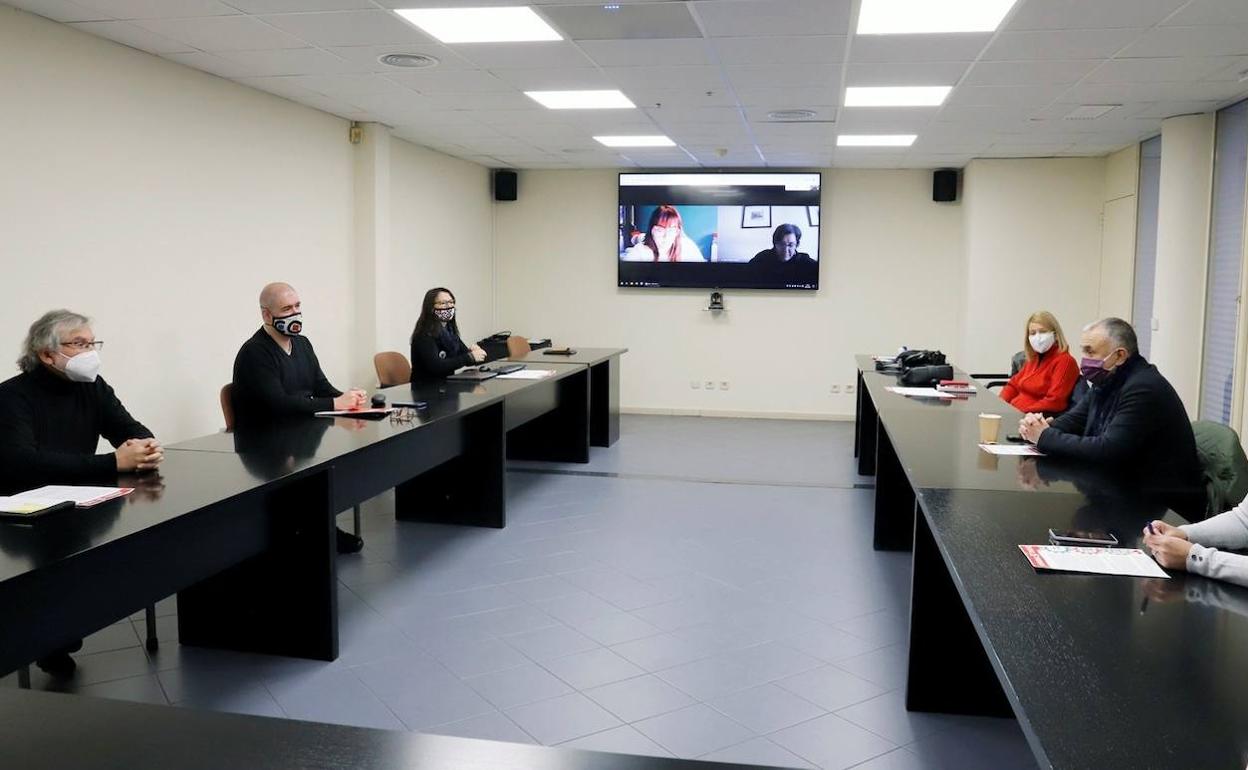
point(408, 60)
point(1089, 111)
point(792, 116)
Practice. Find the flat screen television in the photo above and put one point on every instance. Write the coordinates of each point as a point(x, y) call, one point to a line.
point(755, 230)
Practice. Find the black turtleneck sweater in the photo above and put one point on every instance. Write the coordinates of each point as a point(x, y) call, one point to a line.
point(52, 426)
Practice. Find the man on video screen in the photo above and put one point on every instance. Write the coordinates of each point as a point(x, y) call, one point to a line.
point(783, 251)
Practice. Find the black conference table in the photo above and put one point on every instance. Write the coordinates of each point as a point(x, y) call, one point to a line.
point(241, 525)
point(52, 731)
point(1100, 671)
point(604, 386)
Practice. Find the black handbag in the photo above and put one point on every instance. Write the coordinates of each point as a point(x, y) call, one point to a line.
point(926, 376)
point(913, 358)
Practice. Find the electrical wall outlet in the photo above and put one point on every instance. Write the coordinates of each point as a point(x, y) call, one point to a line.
point(723, 384)
point(709, 384)
point(836, 389)
point(849, 389)
point(695, 384)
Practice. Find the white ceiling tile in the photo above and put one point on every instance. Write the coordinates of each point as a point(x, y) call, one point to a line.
point(158, 9)
point(366, 56)
point(790, 98)
point(1127, 93)
point(1167, 70)
point(677, 113)
point(791, 75)
point(1226, 40)
point(299, 6)
point(918, 48)
point(743, 18)
point(432, 81)
point(554, 79)
point(59, 10)
point(544, 55)
point(599, 21)
point(135, 37)
point(346, 87)
point(1006, 95)
point(1025, 73)
point(210, 63)
point(909, 120)
point(648, 96)
point(702, 77)
point(534, 116)
point(332, 106)
point(1161, 110)
point(282, 86)
point(347, 27)
point(1210, 12)
point(905, 73)
point(792, 49)
point(1051, 45)
point(223, 33)
point(624, 53)
point(488, 101)
point(290, 61)
point(1086, 14)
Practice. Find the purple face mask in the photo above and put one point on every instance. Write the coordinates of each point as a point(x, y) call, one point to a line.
point(1094, 371)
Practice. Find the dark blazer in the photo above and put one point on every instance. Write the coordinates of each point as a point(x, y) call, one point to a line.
point(1135, 424)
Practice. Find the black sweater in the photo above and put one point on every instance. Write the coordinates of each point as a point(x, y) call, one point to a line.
point(433, 358)
point(1134, 424)
point(52, 426)
point(270, 383)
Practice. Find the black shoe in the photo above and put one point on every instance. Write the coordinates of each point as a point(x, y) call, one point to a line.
point(58, 664)
point(349, 543)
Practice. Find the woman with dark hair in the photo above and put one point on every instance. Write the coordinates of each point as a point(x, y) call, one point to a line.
point(437, 349)
point(665, 240)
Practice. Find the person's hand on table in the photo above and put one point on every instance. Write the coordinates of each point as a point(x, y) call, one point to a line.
point(1032, 425)
point(138, 454)
point(352, 399)
point(1162, 528)
point(477, 353)
point(1168, 550)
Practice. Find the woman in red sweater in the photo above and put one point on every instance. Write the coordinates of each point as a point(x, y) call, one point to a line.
point(1045, 382)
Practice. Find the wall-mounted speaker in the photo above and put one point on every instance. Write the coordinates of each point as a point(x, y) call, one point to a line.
point(945, 185)
point(505, 187)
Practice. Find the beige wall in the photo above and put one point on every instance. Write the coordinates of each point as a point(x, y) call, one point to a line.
point(159, 199)
point(1033, 242)
point(890, 275)
point(1182, 252)
point(1118, 218)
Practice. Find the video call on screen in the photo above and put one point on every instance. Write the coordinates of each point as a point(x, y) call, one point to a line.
point(734, 230)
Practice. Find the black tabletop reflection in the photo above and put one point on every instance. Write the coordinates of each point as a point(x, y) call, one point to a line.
point(185, 482)
point(1106, 671)
point(583, 356)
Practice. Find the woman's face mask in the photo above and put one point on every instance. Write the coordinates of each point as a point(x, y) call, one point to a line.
point(1042, 342)
point(444, 314)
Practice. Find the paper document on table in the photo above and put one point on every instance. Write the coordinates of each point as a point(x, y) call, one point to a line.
point(527, 374)
point(83, 497)
point(1098, 561)
point(1018, 450)
point(920, 392)
point(27, 504)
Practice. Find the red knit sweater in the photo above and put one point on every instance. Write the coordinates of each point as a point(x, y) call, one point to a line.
point(1043, 385)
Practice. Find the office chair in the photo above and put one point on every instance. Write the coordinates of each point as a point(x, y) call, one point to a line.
point(1001, 380)
point(392, 368)
point(227, 412)
point(517, 346)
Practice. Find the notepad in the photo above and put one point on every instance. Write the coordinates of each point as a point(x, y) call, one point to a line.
point(920, 392)
point(1097, 561)
point(28, 505)
point(82, 497)
point(1017, 450)
point(527, 374)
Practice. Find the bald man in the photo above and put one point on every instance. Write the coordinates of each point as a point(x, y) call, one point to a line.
point(277, 374)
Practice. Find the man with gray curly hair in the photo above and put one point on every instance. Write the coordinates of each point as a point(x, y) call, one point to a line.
point(53, 415)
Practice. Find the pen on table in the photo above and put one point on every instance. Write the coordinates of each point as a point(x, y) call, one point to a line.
point(1151, 531)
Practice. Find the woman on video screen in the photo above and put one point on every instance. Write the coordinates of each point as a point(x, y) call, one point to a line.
point(665, 240)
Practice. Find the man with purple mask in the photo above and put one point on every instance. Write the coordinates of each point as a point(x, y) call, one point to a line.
point(1131, 423)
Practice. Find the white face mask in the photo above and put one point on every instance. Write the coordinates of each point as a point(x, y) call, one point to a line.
point(84, 367)
point(1041, 342)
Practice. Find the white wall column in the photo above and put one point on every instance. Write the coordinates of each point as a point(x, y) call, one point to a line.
point(1182, 252)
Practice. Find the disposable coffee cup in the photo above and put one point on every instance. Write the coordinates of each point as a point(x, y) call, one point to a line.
point(989, 427)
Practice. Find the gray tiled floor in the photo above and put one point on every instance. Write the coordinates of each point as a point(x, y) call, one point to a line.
point(706, 588)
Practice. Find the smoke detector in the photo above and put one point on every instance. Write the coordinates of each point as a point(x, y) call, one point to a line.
point(408, 60)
